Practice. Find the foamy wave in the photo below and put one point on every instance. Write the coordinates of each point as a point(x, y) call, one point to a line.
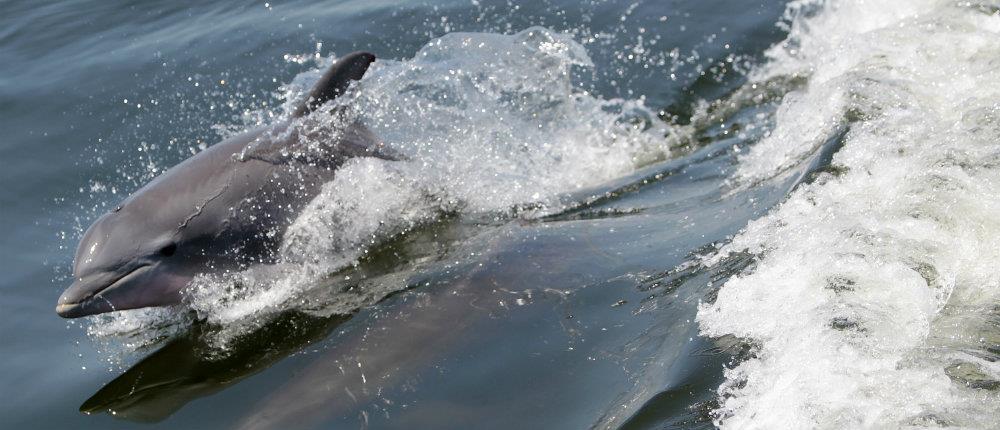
point(484, 124)
point(873, 303)
point(493, 121)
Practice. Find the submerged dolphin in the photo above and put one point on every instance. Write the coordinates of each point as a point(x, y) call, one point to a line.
point(221, 209)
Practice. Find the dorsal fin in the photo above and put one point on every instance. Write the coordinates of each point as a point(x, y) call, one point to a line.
point(335, 81)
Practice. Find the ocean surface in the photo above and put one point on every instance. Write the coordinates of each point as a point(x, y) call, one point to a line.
point(685, 214)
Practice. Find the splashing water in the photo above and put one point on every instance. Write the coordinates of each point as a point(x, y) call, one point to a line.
point(873, 301)
point(487, 126)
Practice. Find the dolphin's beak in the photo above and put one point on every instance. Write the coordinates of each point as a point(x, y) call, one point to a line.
point(92, 294)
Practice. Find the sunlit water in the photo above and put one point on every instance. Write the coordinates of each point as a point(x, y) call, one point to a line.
point(615, 215)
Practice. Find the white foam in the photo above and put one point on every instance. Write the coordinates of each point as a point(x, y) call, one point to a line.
point(873, 303)
point(135, 331)
point(493, 121)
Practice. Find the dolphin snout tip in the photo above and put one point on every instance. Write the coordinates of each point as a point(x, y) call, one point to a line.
point(78, 300)
point(66, 306)
point(69, 310)
point(65, 310)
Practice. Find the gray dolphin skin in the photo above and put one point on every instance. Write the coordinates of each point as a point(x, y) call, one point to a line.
point(222, 209)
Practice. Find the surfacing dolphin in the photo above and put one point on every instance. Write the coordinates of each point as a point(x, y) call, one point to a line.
point(222, 209)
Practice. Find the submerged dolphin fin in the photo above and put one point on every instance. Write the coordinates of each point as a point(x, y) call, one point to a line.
point(321, 148)
point(335, 81)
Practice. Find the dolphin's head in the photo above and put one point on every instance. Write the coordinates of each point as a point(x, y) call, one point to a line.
point(125, 262)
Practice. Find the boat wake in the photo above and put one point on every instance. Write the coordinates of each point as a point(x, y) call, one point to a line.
point(872, 299)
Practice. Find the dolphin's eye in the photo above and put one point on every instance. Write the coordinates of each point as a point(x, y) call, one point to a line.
point(168, 250)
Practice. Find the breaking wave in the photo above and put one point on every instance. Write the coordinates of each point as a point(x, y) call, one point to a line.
point(873, 298)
